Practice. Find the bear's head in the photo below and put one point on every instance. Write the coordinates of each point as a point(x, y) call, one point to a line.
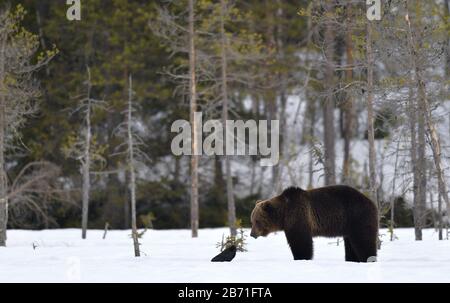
point(266, 217)
point(275, 214)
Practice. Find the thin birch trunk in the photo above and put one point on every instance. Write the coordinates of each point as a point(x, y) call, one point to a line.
point(126, 206)
point(447, 49)
point(370, 115)
point(431, 130)
point(415, 167)
point(392, 223)
point(3, 177)
point(433, 213)
point(86, 162)
point(193, 108)
point(311, 108)
point(370, 119)
point(131, 167)
point(348, 106)
point(252, 177)
point(230, 195)
point(255, 113)
point(421, 167)
point(283, 161)
point(440, 216)
point(328, 108)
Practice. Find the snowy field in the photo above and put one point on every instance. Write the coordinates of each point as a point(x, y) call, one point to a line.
point(172, 256)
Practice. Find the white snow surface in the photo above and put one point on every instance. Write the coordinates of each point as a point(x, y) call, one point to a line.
point(173, 256)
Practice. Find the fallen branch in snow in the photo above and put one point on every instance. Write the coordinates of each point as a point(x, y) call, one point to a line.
point(337, 242)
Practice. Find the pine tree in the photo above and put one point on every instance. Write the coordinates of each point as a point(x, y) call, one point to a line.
point(18, 90)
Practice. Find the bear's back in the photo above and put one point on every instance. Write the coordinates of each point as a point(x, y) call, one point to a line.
point(337, 208)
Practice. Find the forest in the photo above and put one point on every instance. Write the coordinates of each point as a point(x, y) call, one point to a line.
point(86, 109)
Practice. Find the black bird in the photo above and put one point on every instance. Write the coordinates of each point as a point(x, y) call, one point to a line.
point(226, 256)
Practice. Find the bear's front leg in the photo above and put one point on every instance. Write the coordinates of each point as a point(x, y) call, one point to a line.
point(301, 244)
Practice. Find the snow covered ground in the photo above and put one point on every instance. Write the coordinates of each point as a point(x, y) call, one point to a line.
point(172, 256)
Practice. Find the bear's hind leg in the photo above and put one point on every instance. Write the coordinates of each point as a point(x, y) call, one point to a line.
point(365, 246)
point(350, 254)
point(301, 244)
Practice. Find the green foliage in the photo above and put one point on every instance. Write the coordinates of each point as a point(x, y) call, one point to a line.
point(114, 39)
point(19, 81)
point(147, 220)
point(168, 200)
point(244, 207)
point(403, 214)
point(392, 235)
point(213, 208)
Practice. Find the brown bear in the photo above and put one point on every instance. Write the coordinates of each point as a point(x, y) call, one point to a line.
point(330, 211)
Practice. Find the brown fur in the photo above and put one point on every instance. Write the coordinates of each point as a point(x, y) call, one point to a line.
point(331, 211)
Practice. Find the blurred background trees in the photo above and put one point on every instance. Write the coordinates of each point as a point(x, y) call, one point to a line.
point(304, 63)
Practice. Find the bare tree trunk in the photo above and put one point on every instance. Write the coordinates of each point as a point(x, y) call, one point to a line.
point(328, 108)
point(126, 206)
point(230, 195)
point(177, 168)
point(278, 169)
point(312, 117)
point(218, 173)
point(86, 163)
point(421, 169)
point(252, 177)
point(447, 49)
point(3, 189)
point(131, 167)
point(348, 106)
point(255, 113)
point(370, 126)
point(425, 106)
point(193, 108)
point(392, 223)
point(439, 216)
point(270, 95)
point(230, 199)
point(436, 149)
point(3, 177)
point(283, 143)
point(433, 213)
point(310, 108)
point(419, 163)
point(415, 167)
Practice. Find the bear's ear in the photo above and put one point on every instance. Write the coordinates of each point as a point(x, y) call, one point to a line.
point(292, 194)
point(258, 201)
point(268, 208)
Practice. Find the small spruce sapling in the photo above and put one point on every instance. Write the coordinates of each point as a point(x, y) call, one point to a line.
point(392, 235)
point(147, 220)
point(239, 240)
